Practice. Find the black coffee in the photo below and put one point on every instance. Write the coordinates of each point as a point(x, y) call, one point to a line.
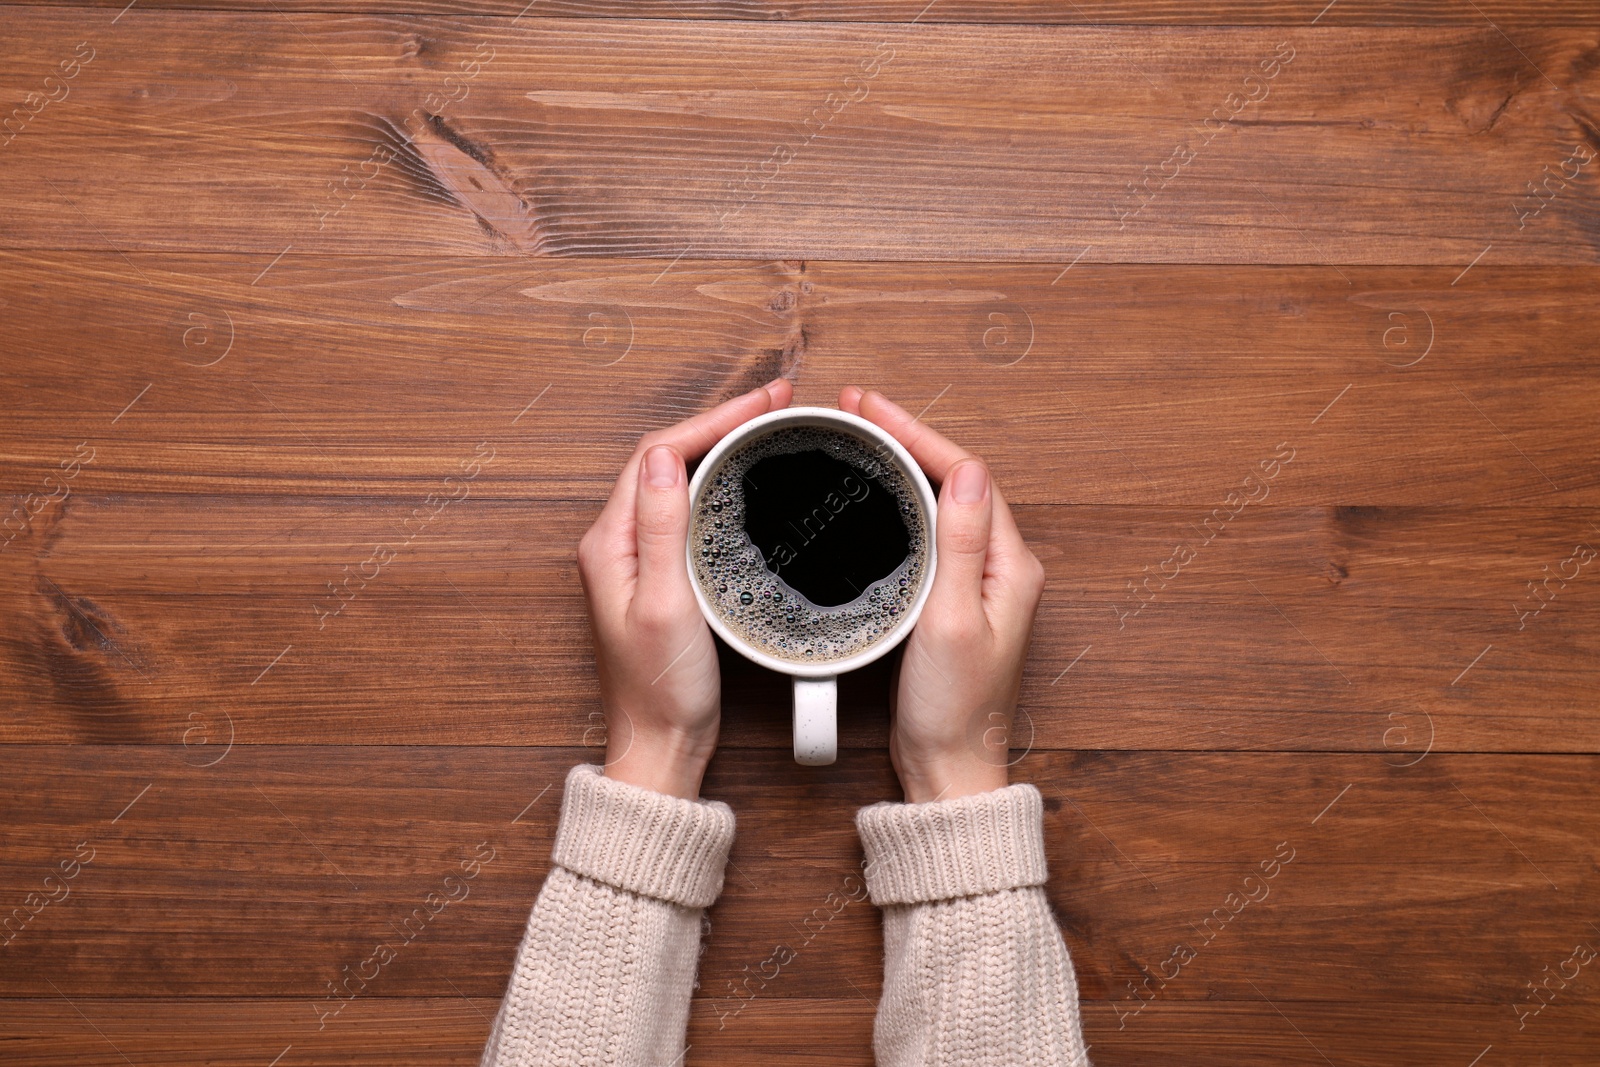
point(809, 543)
point(826, 528)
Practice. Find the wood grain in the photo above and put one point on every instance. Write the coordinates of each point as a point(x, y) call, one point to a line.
point(1512, 13)
point(130, 616)
point(1166, 385)
point(450, 1031)
point(265, 872)
point(728, 139)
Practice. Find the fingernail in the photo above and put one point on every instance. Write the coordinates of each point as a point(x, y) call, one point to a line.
point(853, 392)
point(775, 381)
point(969, 483)
point(661, 467)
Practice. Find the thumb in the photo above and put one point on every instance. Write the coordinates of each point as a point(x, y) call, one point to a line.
point(661, 524)
point(966, 507)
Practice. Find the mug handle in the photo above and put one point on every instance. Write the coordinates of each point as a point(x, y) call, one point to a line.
point(816, 738)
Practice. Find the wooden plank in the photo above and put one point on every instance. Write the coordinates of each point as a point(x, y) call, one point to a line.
point(1379, 630)
point(450, 1032)
point(1148, 384)
point(241, 1032)
point(1452, 881)
point(1505, 13)
point(726, 139)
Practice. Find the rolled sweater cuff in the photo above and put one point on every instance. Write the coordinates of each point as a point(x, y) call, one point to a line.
point(642, 841)
point(954, 848)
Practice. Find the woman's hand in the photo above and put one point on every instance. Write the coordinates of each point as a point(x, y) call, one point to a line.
point(659, 686)
point(956, 693)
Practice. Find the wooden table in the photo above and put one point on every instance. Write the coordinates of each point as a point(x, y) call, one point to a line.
point(1277, 324)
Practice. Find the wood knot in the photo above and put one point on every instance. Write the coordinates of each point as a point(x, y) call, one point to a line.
point(83, 623)
point(1356, 514)
point(466, 172)
point(1480, 97)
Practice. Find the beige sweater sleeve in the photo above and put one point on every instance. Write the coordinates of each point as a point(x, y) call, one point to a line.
point(976, 973)
point(607, 962)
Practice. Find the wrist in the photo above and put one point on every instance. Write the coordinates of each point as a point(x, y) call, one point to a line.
point(670, 762)
point(924, 781)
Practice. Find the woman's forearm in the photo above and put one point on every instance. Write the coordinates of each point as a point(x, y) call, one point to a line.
point(975, 970)
point(607, 961)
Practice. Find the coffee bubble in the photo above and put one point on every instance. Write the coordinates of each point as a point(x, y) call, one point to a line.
point(756, 603)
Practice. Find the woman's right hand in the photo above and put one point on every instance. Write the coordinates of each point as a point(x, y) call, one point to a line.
point(954, 701)
point(659, 684)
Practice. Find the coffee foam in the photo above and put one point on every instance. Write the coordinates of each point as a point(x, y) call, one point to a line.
point(776, 619)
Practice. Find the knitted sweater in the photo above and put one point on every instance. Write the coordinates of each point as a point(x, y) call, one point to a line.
point(975, 971)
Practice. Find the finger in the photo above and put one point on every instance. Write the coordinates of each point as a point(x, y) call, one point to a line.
point(850, 399)
point(936, 454)
point(966, 507)
point(894, 685)
point(694, 437)
point(662, 527)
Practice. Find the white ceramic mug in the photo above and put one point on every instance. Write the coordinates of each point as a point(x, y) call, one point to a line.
point(816, 684)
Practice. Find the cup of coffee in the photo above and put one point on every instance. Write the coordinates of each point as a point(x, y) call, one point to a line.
point(811, 549)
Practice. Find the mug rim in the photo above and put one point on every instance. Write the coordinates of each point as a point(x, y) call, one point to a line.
point(831, 418)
